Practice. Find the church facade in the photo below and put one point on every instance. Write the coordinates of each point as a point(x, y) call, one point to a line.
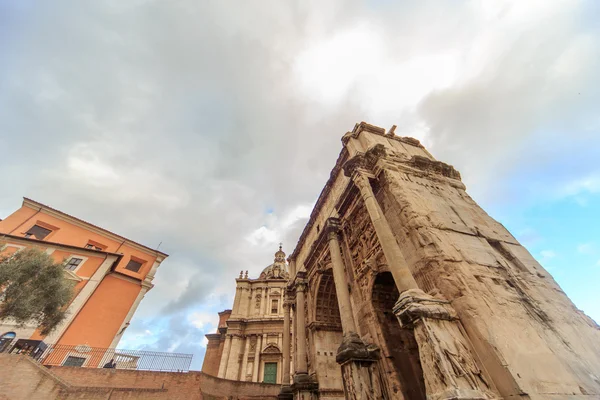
point(249, 343)
point(402, 287)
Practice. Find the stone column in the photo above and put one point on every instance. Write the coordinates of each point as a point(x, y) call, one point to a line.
point(339, 277)
point(361, 374)
point(225, 357)
point(301, 364)
point(303, 385)
point(265, 302)
point(295, 335)
point(242, 375)
point(257, 358)
point(395, 259)
point(286, 390)
point(246, 296)
point(236, 301)
point(233, 366)
point(448, 361)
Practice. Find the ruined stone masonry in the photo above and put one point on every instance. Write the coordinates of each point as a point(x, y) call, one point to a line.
point(402, 287)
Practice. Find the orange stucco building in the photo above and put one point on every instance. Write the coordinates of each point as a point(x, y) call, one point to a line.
point(111, 273)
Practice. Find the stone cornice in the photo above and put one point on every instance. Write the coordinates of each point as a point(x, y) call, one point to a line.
point(324, 326)
point(342, 158)
point(62, 246)
point(376, 130)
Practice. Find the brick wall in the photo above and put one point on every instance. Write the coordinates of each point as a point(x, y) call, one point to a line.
point(212, 358)
point(191, 385)
point(23, 379)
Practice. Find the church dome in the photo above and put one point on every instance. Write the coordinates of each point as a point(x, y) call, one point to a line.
point(277, 270)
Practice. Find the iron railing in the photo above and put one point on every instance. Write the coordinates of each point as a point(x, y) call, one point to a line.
point(95, 357)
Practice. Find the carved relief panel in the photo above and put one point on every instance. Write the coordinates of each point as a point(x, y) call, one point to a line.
point(365, 252)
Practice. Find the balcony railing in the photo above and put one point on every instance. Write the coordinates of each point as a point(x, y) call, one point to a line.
point(94, 357)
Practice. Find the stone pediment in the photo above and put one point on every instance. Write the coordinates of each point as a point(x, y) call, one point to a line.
point(271, 348)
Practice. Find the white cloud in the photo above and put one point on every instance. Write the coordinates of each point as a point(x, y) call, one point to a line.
point(204, 320)
point(547, 254)
point(182, 122)
point(586, 248)
point(589, 184)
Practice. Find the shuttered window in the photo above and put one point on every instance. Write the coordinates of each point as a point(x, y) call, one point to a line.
point(133, 265)
point(270, 373)
point(38, 232)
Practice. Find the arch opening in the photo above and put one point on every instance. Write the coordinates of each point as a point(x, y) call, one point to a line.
point(327, 310)
point(401, 350)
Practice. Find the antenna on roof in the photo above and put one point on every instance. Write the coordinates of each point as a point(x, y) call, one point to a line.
point(157, 247)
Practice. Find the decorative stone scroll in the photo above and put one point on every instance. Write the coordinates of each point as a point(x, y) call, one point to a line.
point(449, 366)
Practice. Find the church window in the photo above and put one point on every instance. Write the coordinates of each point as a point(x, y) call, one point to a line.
point(274, 306)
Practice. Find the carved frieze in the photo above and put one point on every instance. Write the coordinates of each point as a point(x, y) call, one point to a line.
point(365, 251)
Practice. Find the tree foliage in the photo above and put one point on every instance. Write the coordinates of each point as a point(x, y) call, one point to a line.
point(34, 289)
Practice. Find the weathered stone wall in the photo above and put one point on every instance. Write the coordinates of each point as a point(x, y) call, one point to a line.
point(528, 339)
point(178, 385)
point(527, 333)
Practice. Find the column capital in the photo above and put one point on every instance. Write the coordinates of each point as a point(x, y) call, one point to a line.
point(332, 227)
point(354, 165)
point(414, 305)
point(287, 304)
point(301, 285)
point(364, 162)
point(360, 178)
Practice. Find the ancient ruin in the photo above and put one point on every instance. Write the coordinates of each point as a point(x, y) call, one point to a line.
point(402, 287)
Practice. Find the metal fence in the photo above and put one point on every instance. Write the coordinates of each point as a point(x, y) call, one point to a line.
point(95, 357)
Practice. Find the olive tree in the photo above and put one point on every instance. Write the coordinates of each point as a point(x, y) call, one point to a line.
point(33, 289)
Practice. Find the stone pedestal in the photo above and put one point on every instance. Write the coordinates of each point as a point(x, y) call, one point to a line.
point(305, 387)
point(360, 370)
point(449, 366)
point(286, 393)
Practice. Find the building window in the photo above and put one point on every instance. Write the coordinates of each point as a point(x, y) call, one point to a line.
point(274, 306)
point(270, 372)
point(94, 246)
point(38, 232)
point(133, 265)
point(74, 362)
point(73, 263)
point(6, 340)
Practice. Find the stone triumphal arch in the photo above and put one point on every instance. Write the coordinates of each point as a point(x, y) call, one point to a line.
point(402, 287)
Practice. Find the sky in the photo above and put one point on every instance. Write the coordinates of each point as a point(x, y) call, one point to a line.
point(209, 128)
